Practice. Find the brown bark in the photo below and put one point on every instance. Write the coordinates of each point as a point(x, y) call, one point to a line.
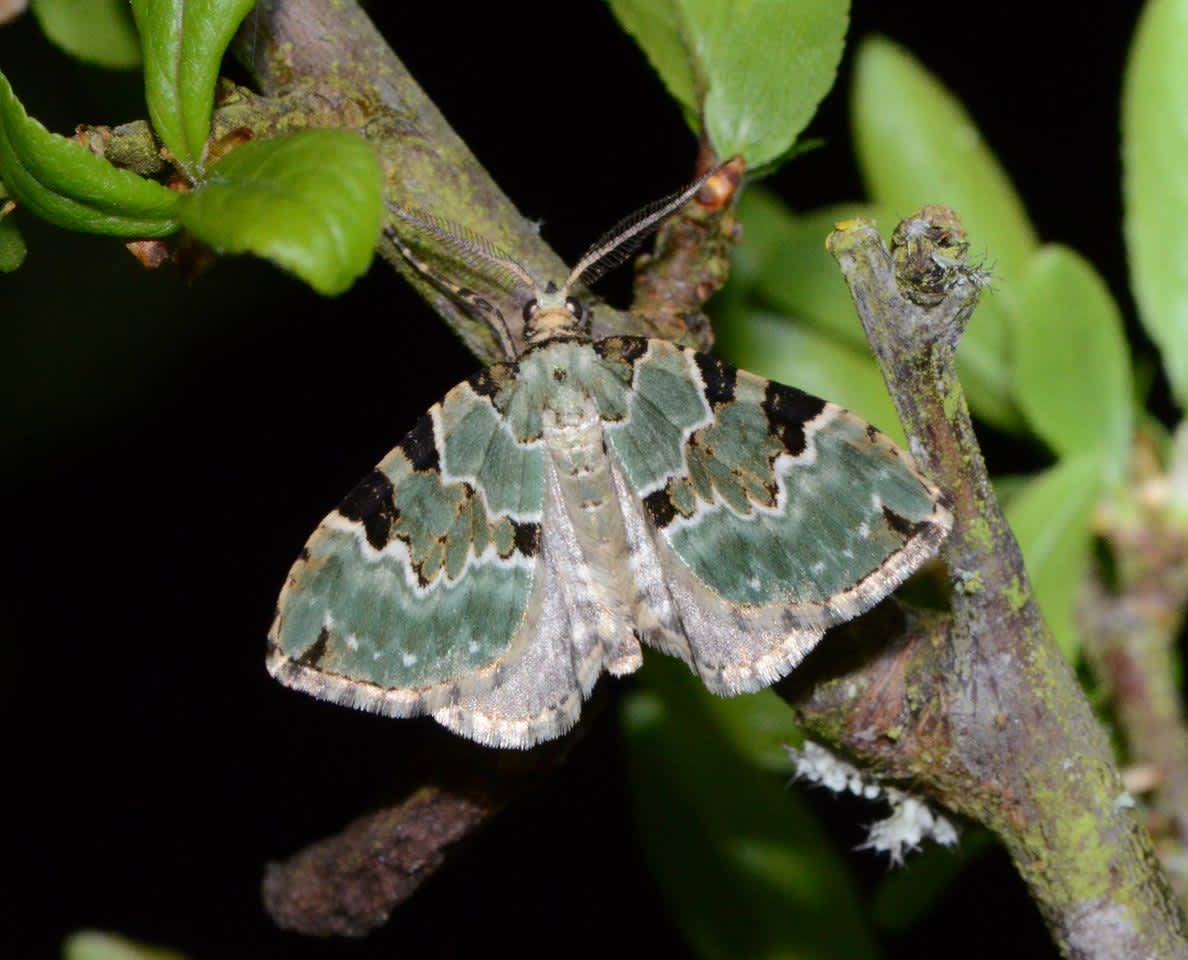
point(347, 884)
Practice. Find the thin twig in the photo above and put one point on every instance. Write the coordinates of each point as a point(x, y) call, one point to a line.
point(1131, 627)
point(690, 262)
point(349, 883)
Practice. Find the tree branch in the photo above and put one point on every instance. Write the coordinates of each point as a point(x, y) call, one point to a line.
point(982, 712)
point(325, 65)
point(349, 883)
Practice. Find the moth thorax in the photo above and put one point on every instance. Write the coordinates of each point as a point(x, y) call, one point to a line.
point(553, 313)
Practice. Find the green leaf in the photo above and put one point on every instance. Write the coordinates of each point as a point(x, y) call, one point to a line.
point(793, 272)
point(1072, 366)
point(657, 28)
point(97, 31)
point(12, 246)
point(782, 349)
point(742, 862)
point(91, 945)
point(916, 145)
point(760, 726)
point(183, 43)
point(905, 896)
point(310, 201)
point(61, 181)
point(814, 339)
point(1155, 180)
point(754, 71)
point(1007, 486)
point(1051, 519)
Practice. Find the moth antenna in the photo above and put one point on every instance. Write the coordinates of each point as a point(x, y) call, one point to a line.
point(491, 313)
point(473, 250)
point(621, 240)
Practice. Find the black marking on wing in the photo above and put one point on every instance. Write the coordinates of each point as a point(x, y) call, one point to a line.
point(907, 529)
point(788, 410)
point(419, 446)
point(313, 656)
point(526, 537)
point(548, 342)
point(489, 381)
point(719, 379)
point(371, 503)
point(659, 507)
point(624, 349)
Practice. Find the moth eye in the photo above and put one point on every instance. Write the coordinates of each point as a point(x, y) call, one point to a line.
point(574, 307)
point(529, 310)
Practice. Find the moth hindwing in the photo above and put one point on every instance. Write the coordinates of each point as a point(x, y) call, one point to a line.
point(554, 512)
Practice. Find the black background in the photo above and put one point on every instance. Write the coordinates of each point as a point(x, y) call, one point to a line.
point(168, 449)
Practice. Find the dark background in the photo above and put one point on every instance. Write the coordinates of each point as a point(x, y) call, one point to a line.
point(168, 449)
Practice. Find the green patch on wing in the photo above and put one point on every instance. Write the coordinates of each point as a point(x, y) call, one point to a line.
point(664, 404)
point(768, 494)
point(481, 449)
point(416, 580)
point(356, 615)
point(842, 513)
point(730, 461)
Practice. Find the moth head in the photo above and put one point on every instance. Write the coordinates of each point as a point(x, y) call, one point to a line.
point(549, 311)
point(552, 312)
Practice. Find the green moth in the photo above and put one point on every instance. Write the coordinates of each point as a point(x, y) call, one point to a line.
point(557, 511)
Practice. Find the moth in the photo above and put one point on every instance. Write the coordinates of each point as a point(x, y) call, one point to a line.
point(559, 510)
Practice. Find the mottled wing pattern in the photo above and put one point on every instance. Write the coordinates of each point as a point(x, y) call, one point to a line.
point(757, 516)
point(425, 590)
point(549, 515)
